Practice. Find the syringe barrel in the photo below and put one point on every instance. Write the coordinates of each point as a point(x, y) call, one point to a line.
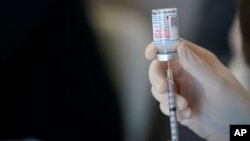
point(165, 33)
point(172, 107)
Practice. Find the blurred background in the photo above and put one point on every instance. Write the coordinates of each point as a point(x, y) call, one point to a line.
point(123, 28)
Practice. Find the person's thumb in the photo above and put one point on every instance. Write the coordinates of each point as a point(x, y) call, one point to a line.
point(195, 65)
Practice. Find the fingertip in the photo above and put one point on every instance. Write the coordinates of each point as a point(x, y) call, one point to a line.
point(182, 50)
point(187, 59)
point(151, 52)
point(164, 109)
point(186, 114)
point(180, 46)
point(181, 102)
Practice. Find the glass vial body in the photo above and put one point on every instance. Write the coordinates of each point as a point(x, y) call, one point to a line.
point(165, 33)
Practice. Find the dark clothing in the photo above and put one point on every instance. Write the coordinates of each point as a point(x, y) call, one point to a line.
point(54, 84)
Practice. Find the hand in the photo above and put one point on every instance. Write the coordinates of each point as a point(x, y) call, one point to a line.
point(208, 96)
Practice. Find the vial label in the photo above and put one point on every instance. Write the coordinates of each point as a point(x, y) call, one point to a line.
point(165, 27)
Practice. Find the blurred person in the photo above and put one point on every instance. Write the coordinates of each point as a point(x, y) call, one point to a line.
point(209, 98)
point(54, 82)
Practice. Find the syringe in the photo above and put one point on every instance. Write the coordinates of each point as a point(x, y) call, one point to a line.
point(172, 106)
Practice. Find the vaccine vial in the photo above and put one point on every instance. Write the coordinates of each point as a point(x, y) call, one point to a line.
point(165, 33)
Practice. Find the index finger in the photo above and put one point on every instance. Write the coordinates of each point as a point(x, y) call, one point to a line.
point(151, 51)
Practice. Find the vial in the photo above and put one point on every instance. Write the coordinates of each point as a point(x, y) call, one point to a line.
point(165, 33)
